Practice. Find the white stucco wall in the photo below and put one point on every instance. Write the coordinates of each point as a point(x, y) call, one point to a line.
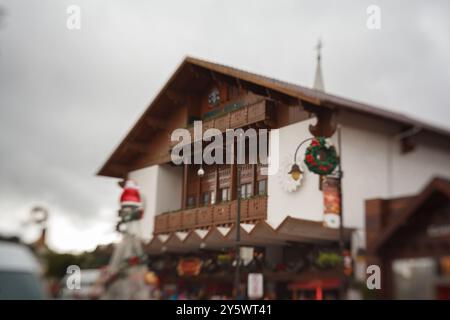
point(412, 171)
point(170, 181)
point(160, 187)
point(373, 167)
point(306, 202)
point(147, 180)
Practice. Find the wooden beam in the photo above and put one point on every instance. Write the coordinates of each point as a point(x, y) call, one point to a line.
point(177, 97)
point(326, 123)
point(137, 147)
point(184, 186)
point(156, 123)
point(119, 170)
point(199, 188)
point(266, 92)
point(233, 179)
point(216, 185)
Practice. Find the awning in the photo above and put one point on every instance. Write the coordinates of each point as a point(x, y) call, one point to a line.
point(259, 234)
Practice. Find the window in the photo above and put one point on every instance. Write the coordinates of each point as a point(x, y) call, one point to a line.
point(213, 197)
point(191, 201)
point(246, 190)
point(208, 197)
point(225, 194)
point(262, 187)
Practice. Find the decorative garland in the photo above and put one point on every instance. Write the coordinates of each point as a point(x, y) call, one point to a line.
point(317, 148)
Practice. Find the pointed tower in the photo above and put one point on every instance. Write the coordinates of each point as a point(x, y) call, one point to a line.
point(318, 79)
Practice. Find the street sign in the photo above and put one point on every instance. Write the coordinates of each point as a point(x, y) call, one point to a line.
point(255, 285)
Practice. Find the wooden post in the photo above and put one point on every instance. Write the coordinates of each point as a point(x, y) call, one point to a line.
point(233, 181)
point(184, 186)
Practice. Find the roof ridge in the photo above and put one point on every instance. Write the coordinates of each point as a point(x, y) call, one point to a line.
point(335, 97)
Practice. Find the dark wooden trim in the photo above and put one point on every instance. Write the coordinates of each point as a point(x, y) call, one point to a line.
point(233, 181)
point(156, 123)
point(184, 186)
point(216, 186)
point(199, 188)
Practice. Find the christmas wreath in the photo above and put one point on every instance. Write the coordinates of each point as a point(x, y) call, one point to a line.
point(321, 158)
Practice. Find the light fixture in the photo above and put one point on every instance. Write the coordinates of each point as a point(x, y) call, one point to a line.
point(201, 172)
point(295, 172)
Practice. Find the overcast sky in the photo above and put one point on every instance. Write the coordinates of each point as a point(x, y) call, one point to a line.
point(68, 97)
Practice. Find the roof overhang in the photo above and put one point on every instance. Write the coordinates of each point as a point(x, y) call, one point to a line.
point(439, 186)
point(291, 230)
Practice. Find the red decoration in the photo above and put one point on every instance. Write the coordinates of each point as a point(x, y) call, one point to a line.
point(133, 261)
point(189, 266)
point(348, 268)
point(320, 158)
point(130, 195)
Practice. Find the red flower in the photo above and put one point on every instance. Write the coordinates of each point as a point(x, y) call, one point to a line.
point(324, 168)
point(309, 158)
point(315, 143)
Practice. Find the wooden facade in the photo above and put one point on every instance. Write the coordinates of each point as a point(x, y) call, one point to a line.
point(404, 228)
point(210, 200)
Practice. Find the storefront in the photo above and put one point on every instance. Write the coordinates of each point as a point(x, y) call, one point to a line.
point(409, 238)
point(295, 260)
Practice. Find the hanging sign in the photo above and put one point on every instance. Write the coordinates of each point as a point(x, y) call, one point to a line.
point(255, 285)
point(247, 255)
point(331, 202)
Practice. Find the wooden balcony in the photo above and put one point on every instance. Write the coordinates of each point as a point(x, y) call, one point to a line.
point(241, 117)
point(247, 115)
point(252, 209)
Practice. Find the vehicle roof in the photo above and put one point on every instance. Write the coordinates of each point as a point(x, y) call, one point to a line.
point(17, 258)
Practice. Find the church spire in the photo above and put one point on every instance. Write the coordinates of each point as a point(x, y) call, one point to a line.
point(318, 79)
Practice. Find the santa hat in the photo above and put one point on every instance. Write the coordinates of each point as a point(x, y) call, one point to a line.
point(130, 195)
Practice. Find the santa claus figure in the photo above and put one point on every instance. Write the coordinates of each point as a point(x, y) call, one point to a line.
point(131, 206)
point(125, 277)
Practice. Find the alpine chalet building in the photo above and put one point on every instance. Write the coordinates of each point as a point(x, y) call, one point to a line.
point(189, 224)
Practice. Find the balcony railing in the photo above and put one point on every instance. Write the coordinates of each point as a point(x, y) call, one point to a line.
point(241, 117)
point(214, 215)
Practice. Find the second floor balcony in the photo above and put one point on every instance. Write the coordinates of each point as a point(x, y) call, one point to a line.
point(221, 214)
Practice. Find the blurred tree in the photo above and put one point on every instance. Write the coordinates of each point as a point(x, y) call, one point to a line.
point(57, 263)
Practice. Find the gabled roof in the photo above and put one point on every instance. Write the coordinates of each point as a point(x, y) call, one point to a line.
point(315, 97)
point(436, 186)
